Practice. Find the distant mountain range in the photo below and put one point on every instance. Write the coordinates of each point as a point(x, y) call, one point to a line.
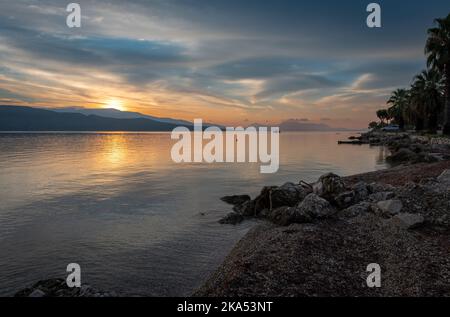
point(21, 118)
point(117, 114)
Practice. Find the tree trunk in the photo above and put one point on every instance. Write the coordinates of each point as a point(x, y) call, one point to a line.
point(446, 130)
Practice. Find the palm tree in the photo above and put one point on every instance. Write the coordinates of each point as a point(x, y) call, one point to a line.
point(399, 102)
point(427, 99)
point(438, 53)
point(383, 115)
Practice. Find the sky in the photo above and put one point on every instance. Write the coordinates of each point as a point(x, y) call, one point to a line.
point(231, 62)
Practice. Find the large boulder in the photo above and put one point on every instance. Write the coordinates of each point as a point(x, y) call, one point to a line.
point(356, 210)
point(362, 191)
point(345, 199)
point(311, 208)
point(328, 186)
point(273, 197)
point(390, 207)
point(283, 216)
point(287, 195)
point(408, 221)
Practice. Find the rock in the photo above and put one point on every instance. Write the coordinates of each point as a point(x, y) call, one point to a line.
point(409, 221)
point(426, 158)
point(345, 199)
point(328, 186)
point(361, 190)
point(444, 178)
point(378, 187)
point(311, 208)
point(283, 216)
point(356, 210)
point(262, 202)
point(273, 197)
point(287, 195)
point(390, 207)
point(236, 199)
point(37, 293)
point(381, 196)
point(247, 209)
point(403, 155)
point(232, 218)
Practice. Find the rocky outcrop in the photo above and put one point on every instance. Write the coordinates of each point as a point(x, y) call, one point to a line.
point(304, 203)
point(317, 248)
point(407, 148)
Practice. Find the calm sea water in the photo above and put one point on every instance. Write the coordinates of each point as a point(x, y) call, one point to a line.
point(137, 223)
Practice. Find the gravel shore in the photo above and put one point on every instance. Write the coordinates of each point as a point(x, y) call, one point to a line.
point(398, 218)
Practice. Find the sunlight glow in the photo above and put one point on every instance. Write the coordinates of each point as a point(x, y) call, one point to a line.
point(115, 104)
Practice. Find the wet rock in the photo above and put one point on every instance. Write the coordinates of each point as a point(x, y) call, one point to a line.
point(247, 209)
point(263, 201)
point(361, 190)
point(288, 195)
point(345, 199)
point(356, 210)
point(283, 216)
point(408, 221)
point(311, 208)
point(232, 218)
point(236, 199)
point(390, 207)
point(328, 186)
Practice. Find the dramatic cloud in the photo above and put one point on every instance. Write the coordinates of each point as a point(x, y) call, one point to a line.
point(226, 61)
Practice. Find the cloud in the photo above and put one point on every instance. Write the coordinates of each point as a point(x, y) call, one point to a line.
point(263, 59)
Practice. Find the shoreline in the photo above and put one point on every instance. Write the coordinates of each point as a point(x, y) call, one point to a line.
point(398, 218)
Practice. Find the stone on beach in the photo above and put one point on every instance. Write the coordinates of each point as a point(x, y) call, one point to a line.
point(328, 186)
point(408, 221)
point(390, 207)
point(356, 210)
point(288, 195)
point(311, 208)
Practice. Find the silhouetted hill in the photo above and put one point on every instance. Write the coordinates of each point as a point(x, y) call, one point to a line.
point(19, 118)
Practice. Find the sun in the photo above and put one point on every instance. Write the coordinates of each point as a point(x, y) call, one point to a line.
point(114, 104)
